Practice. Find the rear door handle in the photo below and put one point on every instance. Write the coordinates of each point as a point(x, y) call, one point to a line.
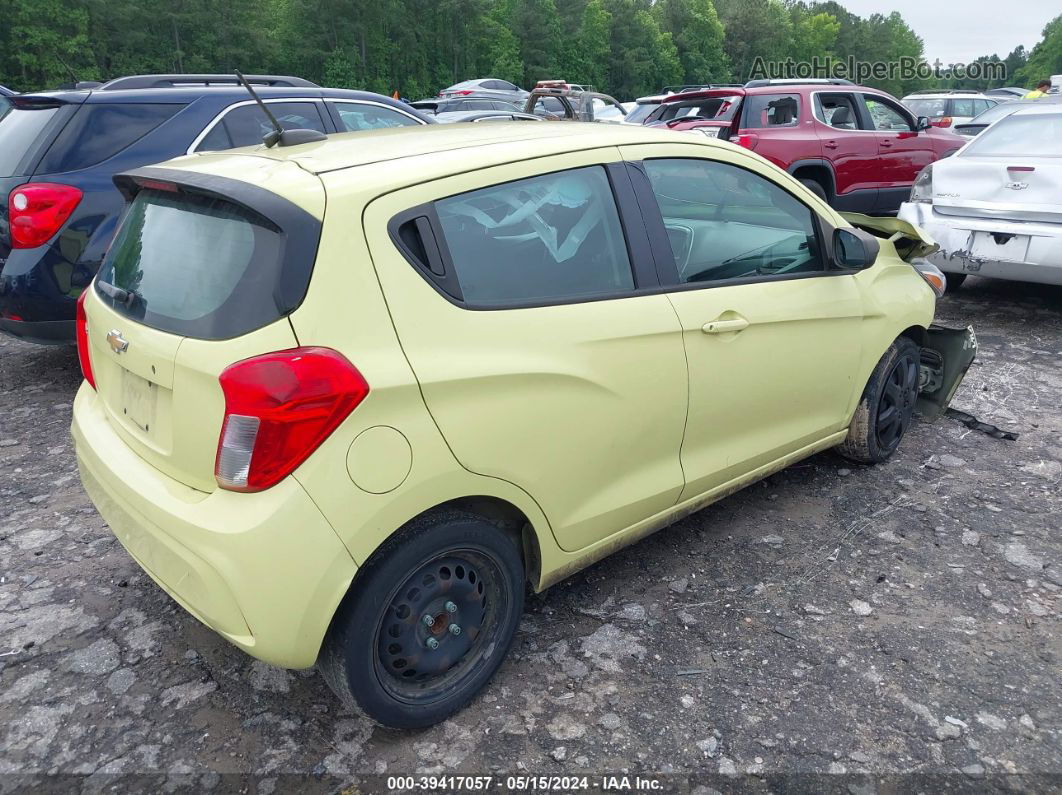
point(725, 326)
point(886, 142)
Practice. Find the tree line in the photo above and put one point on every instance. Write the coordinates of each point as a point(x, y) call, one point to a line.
point(627, 48)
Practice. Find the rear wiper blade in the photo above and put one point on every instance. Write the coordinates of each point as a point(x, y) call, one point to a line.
point(126, 297)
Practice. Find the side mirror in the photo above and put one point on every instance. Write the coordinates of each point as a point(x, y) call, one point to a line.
point(854, 249)
point(923, 123)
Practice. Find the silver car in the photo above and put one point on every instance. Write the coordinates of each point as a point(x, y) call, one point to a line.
point(487, 86)
point(995, 207)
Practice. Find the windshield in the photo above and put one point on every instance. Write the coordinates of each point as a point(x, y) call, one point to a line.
point(641, 112)
point(20, 129)
point(193, 265)
point(996, 113)
point(1021, 134)
point(714, 108)
point(927, 107)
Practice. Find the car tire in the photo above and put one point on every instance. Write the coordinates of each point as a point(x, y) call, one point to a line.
point(886, 408)
point(815, 187)
point(954, 281)
point(383, 659)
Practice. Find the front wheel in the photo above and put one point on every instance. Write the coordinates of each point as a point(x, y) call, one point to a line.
point(428, 621)
point(886, 409)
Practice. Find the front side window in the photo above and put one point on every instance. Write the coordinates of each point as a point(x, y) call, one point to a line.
point(358, 116)
point(838, 110)
point(726, 223)
point(886, 117)
point(247, 125)
point(772, 110)
point(551, 238)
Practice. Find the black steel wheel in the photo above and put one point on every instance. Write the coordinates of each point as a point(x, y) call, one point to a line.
point(435, 630)
point(886, 408)
point(896, 406)
point(427, 622)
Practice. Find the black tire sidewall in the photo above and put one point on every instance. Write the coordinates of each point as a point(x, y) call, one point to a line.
point(898, 350)
point(815, 187)
point(364, 609)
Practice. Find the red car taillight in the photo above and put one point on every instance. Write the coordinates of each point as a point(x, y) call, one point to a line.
point(37, 210)
point(83, 355)
point(279, 408)
point(747, 141)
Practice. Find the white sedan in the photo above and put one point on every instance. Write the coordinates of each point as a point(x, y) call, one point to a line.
point(995, 207)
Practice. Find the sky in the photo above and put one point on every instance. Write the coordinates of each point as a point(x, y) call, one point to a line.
point(958, 31)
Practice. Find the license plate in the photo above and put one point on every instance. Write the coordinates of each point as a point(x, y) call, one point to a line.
point(138, 400)
point(999, 247)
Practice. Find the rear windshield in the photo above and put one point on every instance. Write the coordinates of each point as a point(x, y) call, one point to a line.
point(1032, 135)
point(641, 113)
point(927, 107)
point(99, 132)
point(714, 108)
point(194, 265)
point(20, 130)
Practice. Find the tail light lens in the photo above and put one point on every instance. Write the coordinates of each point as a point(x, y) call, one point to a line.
point(279, 408)
point(747, 141)
point(943, 121)
point(922, 189)
point(934, 277)
point(37, 210)
point(82, 340)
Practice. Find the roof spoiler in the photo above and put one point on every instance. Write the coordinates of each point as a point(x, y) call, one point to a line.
point(182, 81)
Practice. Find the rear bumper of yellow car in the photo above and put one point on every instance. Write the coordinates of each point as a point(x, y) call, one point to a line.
point(265, 570)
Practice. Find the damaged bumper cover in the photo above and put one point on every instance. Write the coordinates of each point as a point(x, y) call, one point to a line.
point(998, 248)
point(947, 354)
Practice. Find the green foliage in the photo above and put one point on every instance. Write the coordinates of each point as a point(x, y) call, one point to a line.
point(698, 35)
point(1046, 57)
point(625, 47)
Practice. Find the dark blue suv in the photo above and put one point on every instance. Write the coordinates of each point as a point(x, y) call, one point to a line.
point(59, 150)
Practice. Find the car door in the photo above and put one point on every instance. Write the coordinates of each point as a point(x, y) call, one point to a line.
point(771, 334)
point(523, 296)
point(903, 151)
point(850, 147)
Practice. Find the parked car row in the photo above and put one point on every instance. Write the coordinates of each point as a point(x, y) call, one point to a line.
point(320, 408)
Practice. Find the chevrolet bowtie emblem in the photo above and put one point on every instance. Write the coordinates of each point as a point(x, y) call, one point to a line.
point(1016, 185)
point(118, 343)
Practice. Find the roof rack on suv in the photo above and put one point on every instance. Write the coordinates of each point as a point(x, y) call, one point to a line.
point(698, 87)
point(945, 91)
point(181, 81)
point(796, 81)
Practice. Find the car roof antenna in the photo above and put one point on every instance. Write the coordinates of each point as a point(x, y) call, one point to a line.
point(279, 135)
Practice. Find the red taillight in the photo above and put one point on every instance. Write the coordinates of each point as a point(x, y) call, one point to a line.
point(943, 121)
point(37, 210)
point(279, 408)
point(83, 355)
point(747, 141)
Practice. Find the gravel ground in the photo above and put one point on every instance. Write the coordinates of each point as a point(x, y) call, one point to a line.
point(835, 627)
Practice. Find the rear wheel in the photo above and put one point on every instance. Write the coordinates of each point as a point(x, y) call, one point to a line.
point(954, 281)
point(428, 621)
point(815, 187)
point(886, 408)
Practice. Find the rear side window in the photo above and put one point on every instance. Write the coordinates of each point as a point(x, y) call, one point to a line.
point(933, 108)
point(772, 110)
point(358, 116)
point(99, 132)
point(194, 265)
point(247, 125)
point(963, 107)
point(20, 130)
point(551, 238)
point(838, 110)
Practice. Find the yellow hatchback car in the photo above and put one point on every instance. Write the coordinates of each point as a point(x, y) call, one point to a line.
point(343, 399)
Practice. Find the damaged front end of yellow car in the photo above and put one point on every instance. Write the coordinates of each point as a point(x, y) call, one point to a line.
point(947, 353)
